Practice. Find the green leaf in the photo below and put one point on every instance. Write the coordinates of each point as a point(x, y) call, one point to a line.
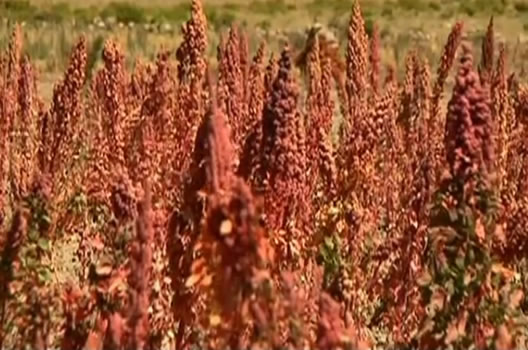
point(460, 262)
point(424, 279)
point(46, 219)
point(329, 243)
point(33, 235)
point(453, 214)
point(44, 275)
point(44, 244)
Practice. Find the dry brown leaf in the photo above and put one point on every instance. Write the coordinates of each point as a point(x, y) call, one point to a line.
point(451, 333)
point(504, 339)
point(480, 230)
point(206, 281)
point(438, 299)
point(192, 280)
point(515, 298)
point(499, 233)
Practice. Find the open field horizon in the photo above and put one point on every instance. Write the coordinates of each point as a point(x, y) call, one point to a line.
point(144, 28)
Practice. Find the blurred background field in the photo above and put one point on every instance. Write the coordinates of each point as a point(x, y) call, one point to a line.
point(144, 27)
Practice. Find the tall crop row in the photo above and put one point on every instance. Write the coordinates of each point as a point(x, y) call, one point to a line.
point(174, 206)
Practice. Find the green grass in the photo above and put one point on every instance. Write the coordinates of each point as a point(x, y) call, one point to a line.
point(412, 5)
point(219, 17)
point(269, 7)
point(18, 10)
point(52, 26)
point(521, 6)
point(253, 11)
point(124, 12)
